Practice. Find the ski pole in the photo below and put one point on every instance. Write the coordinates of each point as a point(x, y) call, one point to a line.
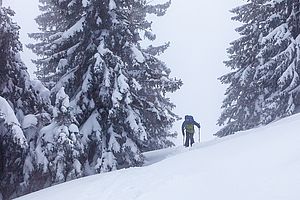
point(199, 135)
point(183, 139)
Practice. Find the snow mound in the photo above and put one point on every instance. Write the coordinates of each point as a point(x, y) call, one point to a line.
point(29, 120)
point(261, 164)
point(7, 113)
point(9, 118)
point(40, 89)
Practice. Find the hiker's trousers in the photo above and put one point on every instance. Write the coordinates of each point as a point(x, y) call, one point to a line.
point(189, 139)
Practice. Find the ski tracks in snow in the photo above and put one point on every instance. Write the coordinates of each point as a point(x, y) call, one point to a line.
point(153, 157)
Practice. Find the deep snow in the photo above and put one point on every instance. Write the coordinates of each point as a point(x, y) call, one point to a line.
point(261, 164)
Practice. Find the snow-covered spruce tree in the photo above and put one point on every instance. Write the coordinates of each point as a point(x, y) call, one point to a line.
point(31, 126)
point(58, 148)
point(24, 96)
point(60, 23)
point(117, 88)
point(16, 87)
point(13, 148)
point(264, 85)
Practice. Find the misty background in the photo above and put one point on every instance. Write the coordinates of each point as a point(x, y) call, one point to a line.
point(199, 31)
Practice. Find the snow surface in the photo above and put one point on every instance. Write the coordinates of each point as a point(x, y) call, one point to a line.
point(8, 117)
point(261, 164)
point(75, 28)
point(29, 121)
point(138, 54)
point(7, 113)
point(40, 89)
point(62, 100)
point(85, 3)
point(112, 5)
point(73, 128)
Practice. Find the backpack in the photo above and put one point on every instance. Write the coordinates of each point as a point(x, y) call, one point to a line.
point(189, 124)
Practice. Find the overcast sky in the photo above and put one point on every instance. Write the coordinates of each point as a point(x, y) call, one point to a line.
point(199, 32)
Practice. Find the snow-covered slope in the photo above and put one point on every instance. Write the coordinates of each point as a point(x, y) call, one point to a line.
point(261, 164)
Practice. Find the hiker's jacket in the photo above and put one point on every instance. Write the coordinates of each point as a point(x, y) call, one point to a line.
point(188, 125)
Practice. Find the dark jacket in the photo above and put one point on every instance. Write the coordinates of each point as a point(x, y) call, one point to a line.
point(189, 120)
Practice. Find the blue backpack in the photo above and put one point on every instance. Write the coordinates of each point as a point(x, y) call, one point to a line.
point(189, 124)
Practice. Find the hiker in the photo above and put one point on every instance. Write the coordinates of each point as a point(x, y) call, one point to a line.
point(188, 126)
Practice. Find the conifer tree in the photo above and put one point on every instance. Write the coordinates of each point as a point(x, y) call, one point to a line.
point(58, 148)
point(25, 96)
point(13, 148)
point(34, 179)
point(264, 84)
point(92, 48)
point(21, 97)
